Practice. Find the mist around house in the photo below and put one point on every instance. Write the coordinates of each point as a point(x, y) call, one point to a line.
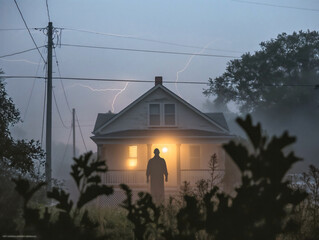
point(254, 62)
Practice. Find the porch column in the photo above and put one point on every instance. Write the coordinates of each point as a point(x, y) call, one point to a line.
point(178, 163)
point(149, 151)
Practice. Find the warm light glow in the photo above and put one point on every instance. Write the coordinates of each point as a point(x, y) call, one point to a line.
point(164, 149)
point(132, 162)
point(132, 151)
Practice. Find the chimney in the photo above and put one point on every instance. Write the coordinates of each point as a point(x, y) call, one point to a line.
point(158, 80)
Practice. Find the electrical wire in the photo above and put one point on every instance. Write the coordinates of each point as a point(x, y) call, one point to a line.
point(275, 5)
point(65, 150)
point(64, 93)
point(148, 40)
point(148, 81)
point(30, 95)
point(57, 108)
point(77, 119)
point(26, 25)
point(48, 12)
point(16, 53)
point(147, 51)
point(15, 29)
point(43, 115)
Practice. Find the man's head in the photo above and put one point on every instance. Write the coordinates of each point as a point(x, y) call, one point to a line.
point(156, 152)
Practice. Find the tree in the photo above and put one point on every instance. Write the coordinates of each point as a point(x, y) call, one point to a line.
point(16, 156)
point(263, 81)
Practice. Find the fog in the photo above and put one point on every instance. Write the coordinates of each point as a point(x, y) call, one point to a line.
point(232, 27)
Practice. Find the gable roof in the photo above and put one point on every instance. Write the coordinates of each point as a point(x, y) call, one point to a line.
point(219, 118)
point(102, 118)
point(211, 117)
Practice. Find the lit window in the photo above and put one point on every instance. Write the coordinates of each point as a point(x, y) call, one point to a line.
point(155, 116)
point(132, 158)
point(194, 157)
point(169, 110)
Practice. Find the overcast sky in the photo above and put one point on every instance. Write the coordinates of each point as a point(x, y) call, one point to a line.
point(229, 27)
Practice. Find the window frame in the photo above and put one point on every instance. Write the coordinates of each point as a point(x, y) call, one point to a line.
point(162, 115)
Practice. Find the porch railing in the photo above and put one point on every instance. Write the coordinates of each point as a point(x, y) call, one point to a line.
point(138, 177)
point(194, 175)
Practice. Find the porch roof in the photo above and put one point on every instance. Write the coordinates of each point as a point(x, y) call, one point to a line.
point(154, 133)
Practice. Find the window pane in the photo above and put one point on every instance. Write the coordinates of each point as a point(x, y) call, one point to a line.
point(154, 109)
point(170, 109)
point(132, 151)
point(169, 119)
point(155, 120)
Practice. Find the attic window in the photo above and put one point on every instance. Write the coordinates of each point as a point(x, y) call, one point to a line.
point(169, 114)
point(155, 114)
point(162, 114)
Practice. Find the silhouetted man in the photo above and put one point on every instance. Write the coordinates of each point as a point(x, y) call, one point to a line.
point(156, 168)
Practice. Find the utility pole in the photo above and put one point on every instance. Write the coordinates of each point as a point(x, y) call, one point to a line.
point(73, 126)
point(48, 163)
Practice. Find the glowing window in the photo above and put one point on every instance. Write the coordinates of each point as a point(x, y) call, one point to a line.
point(132, 156)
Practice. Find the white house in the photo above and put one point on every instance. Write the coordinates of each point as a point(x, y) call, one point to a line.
point(185, 136)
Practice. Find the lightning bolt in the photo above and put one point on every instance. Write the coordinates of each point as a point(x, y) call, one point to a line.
point(116, 95)
point(119, 90)
point(190, 59)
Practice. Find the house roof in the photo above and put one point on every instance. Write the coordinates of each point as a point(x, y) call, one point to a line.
point(102, 118)
point(151, 133)
point(219, 118)
point(215, 118)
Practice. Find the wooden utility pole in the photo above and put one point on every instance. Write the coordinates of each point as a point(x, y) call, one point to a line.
point(73, 126)
point(48, 163)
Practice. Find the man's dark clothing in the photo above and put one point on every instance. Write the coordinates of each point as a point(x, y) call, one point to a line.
point(156, 168)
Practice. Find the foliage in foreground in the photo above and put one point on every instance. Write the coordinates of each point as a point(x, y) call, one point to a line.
point(16, 157)
point(70, 221)
point(264, 206)
point(261, 209)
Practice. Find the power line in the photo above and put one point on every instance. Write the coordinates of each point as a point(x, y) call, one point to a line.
point(30, 95)
point(26, 25)
point(64, 93)
point(43, 115)
point(77, 119)
point(16, 29)
point(148, 51)
point(48, 12)
point(58, 110)
point(275, 5)
point(24, 51)
point(149, 81)
point(148, 40)
point(65, 150)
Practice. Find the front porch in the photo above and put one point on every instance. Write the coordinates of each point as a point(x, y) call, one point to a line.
point(137, 178)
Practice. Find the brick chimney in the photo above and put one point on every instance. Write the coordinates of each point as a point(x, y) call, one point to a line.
point(158, 80)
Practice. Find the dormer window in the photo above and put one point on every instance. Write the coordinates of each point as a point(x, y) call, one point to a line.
point(162, 114)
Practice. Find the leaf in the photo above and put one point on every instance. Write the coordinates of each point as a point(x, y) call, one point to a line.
point(92, 192)
point(62, 197)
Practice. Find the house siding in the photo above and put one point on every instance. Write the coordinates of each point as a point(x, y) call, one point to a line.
point(137, 117)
